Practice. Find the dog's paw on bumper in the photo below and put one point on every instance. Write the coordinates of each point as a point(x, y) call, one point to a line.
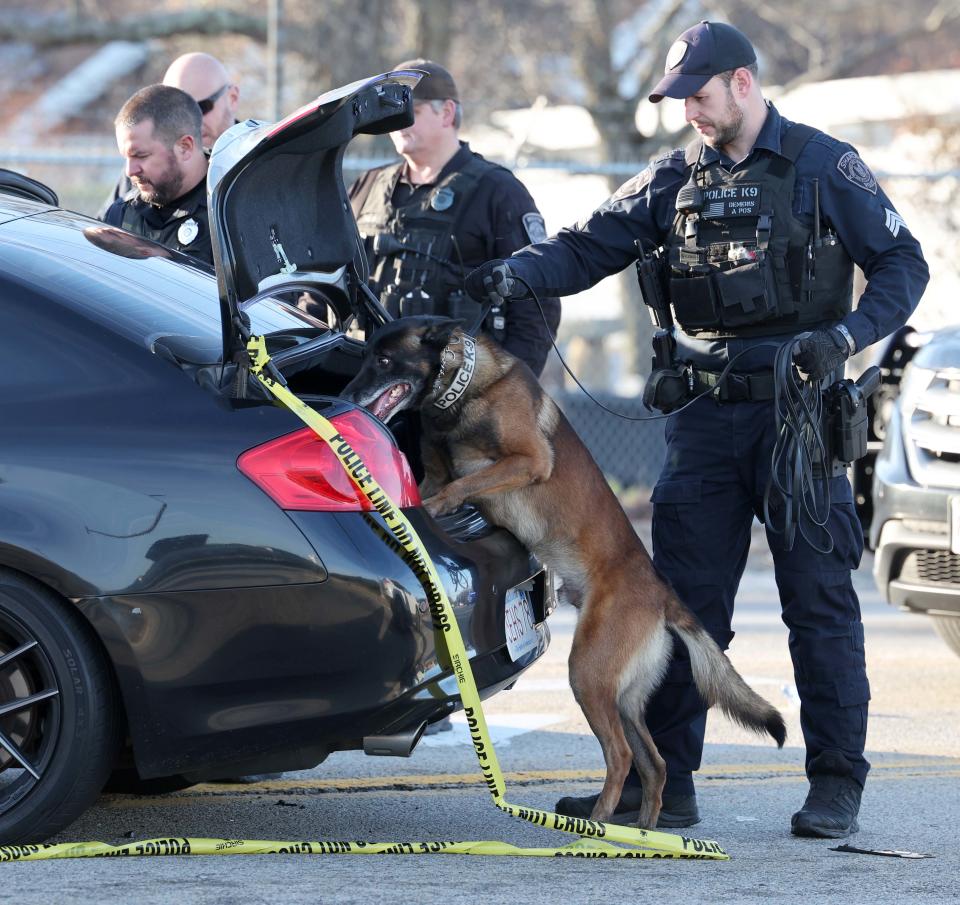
point(441, 505)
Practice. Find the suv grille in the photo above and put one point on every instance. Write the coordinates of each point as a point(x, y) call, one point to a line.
point(932, 567)
point(932, 428)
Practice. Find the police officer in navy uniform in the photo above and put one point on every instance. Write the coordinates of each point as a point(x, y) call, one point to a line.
point(430, 219)
point(159, 135)
point(751, 262)
point(206, 80)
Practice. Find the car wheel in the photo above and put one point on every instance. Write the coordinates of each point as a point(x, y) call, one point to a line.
point(58, 712)
point(948, 628)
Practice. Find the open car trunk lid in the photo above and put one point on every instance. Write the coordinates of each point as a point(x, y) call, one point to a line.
point(279, 213)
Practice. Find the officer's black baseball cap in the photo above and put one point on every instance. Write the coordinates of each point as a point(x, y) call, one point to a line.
point(436, 85)
point(699, 54)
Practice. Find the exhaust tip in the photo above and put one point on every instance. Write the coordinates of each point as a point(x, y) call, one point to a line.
point(399, 745)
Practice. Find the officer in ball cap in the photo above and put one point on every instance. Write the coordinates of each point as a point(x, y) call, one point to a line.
point(430, 219)
point(761, 221)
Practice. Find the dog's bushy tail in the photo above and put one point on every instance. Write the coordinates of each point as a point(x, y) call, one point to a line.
point(718, 682)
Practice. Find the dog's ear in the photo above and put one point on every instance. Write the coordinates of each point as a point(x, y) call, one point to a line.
point(439, 332)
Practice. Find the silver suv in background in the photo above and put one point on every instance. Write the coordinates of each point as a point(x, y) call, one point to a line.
point(915, 524)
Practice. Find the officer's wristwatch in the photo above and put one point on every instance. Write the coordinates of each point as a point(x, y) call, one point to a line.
point(845, 333)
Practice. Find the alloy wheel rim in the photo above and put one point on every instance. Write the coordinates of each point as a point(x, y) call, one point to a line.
point(30, 711)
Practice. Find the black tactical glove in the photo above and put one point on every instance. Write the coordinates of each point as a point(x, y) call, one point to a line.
point(820, 354)
point(491, 283)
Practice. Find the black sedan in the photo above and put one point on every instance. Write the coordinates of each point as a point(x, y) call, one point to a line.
point(189, 584)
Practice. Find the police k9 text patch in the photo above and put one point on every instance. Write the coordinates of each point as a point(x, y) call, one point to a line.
point(723, 201)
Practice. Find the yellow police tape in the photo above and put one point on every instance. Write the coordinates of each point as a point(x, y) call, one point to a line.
point(595, 836)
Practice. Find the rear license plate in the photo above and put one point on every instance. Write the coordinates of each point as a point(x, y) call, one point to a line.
point(518, 624)
point(955, 524)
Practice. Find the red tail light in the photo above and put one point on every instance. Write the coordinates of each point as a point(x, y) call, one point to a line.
point(300, 472)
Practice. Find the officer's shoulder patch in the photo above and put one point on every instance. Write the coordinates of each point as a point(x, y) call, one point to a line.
point(857, 172)
point(634, 185)
point(535, 227)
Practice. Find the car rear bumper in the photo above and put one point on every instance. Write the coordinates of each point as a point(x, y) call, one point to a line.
point(255, 679)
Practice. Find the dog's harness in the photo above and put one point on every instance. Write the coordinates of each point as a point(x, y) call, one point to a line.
point(458, 386)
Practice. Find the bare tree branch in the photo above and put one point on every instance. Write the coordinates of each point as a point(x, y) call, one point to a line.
point(847, 64)
point(797, 32)
point(431, 29)
point(52, 31)
point(663, 32)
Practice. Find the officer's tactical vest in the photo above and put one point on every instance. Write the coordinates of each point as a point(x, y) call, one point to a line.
point(426, 275)
point(199, 244)
point(741, 263)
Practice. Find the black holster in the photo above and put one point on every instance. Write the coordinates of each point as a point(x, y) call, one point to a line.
point(846, 421)
point(666, 389)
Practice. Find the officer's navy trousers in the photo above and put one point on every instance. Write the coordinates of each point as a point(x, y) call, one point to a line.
point(710, 489)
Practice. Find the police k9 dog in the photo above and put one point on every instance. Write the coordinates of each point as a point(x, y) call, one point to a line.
point(492, 437)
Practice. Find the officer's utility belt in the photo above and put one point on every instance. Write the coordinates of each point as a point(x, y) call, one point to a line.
point(757, 387)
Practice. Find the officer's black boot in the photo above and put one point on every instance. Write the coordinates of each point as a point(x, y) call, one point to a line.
point(677, 811)
point(833, 802)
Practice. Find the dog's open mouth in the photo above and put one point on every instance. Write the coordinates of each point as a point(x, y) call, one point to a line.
point(387, 402)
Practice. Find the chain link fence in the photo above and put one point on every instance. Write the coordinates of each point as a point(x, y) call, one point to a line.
point(629, 453)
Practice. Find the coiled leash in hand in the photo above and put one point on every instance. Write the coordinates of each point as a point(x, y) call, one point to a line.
point(821, 430)
point(799, 481)
point(393, 526)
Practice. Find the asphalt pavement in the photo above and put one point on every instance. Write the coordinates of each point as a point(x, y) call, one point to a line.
point(747, 790)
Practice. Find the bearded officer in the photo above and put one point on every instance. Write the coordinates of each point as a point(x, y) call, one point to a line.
point(761, 221)
point(159, 133)
point(428, 220)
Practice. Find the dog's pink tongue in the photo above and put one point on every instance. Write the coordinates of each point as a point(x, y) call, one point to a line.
point(388, 400)
point(381, 405)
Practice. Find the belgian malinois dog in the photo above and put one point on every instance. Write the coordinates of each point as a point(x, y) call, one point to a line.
point(491, 436)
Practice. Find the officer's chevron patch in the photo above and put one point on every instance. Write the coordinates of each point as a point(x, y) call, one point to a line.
point(894, 222)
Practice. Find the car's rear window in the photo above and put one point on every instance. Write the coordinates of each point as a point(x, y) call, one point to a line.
point(123, 284)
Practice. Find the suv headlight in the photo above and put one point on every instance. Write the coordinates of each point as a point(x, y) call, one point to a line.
point(930, 415)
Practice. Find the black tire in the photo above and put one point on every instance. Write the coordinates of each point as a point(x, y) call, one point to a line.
point(57, 750)
point(948, 628)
